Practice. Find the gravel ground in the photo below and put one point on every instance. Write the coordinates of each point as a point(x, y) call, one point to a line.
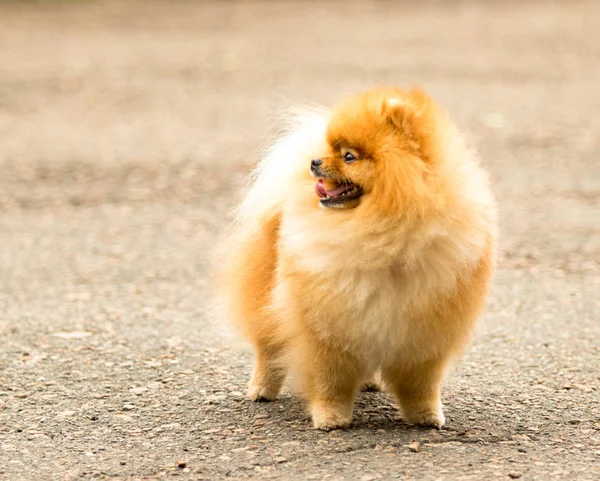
point(125, 131)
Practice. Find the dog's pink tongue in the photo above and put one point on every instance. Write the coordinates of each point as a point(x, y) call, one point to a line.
point(323, 192)
point(320, 189)
point(337, 191)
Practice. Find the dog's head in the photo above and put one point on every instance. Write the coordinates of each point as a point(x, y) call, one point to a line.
point(381, 152)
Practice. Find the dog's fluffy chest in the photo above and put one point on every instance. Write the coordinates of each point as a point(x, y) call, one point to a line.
point(368, 312)
point(367, 296)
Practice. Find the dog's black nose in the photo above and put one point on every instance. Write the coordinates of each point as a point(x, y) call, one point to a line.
point(315, 163)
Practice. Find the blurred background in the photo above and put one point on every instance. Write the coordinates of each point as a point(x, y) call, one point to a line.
point(126, 128)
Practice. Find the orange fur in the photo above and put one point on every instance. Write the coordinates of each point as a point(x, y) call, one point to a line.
point(390, 281)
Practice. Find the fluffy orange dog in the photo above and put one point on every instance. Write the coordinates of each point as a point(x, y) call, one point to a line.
point(365, 245)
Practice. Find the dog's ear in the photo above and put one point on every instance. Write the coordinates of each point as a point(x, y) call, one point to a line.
point(404, 109)
point(411, 113)
point(393, 110)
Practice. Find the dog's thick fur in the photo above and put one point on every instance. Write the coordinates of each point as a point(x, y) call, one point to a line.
point(390, 283)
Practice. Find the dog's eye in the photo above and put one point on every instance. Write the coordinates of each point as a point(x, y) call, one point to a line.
point(349, 157)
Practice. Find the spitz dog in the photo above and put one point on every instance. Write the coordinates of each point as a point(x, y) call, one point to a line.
point(364, 246)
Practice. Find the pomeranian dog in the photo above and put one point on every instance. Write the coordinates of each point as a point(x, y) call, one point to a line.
point(364, 246)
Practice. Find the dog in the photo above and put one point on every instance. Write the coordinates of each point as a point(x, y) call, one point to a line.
point(365, 245)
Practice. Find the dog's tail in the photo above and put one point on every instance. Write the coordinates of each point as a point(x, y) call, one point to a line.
point(301, 138)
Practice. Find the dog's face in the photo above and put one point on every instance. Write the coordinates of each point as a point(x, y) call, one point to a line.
point(345, 175)
point(377, 155)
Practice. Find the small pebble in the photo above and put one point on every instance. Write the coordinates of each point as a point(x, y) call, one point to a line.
point(64, 414)
point(414, 447)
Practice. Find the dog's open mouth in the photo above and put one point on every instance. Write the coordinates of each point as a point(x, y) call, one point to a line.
point(341, 194)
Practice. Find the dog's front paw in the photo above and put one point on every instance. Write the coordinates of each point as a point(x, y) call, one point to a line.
point(426, 418)
point(328, 418)
point(256, 392)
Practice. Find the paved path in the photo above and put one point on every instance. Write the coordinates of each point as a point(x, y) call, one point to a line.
point(124, 132)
